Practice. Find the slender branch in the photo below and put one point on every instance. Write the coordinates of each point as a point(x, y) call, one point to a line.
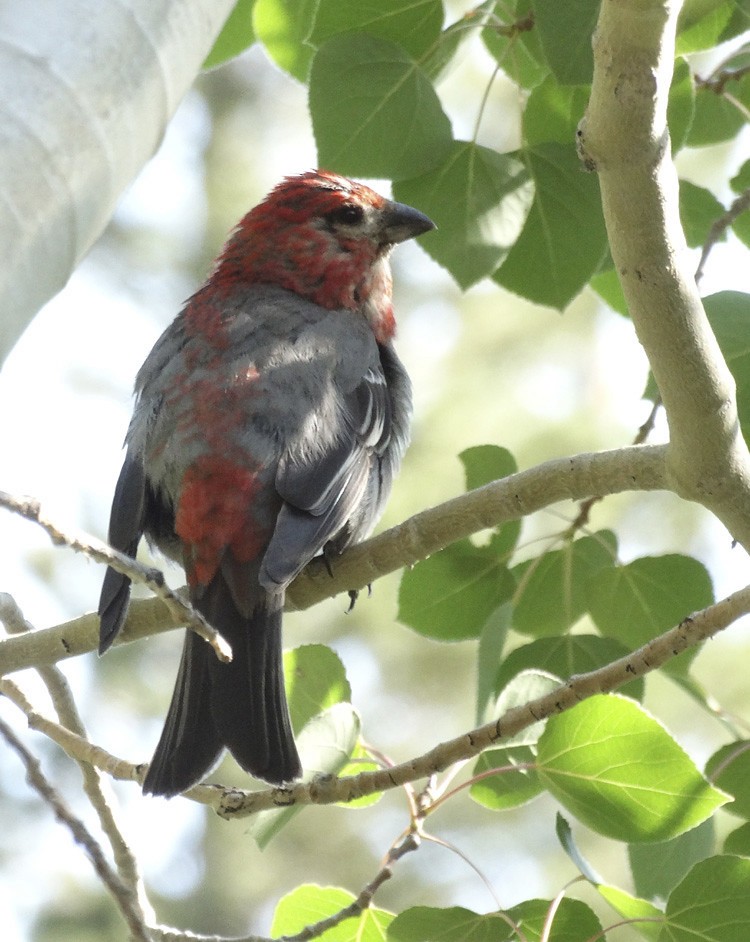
point(572, 478)
point(625, 138)
point(95, 788)
point(181, 610)
point(81, 835)
point(328, 789)
point(739, 206)
point(694, 629)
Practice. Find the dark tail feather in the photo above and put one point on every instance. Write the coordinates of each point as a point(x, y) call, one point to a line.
point(241, 705)
point(113, 606)
point(189, 744)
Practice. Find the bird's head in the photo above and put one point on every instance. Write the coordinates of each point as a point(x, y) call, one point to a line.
point(327, 239)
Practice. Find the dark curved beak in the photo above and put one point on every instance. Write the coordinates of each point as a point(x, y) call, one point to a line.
point(401, 222)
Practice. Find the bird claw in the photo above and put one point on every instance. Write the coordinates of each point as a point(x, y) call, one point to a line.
point(354, 595)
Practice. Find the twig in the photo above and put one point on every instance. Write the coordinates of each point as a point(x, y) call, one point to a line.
point(181, 610)
point(406, 845)
point(80, 833)
point(67, 712)
point(739, 206)
point(570, 478)
point(328, 789)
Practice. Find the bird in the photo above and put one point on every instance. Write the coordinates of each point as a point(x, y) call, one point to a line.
point(270, 420)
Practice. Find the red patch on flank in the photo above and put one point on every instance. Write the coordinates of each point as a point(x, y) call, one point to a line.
point(215, 513)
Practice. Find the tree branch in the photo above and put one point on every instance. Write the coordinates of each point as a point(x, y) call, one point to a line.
point(82, 836)
point(624, 137)
point(572, 478)
point(232, 802)
point(328, 789)
point(182, 611)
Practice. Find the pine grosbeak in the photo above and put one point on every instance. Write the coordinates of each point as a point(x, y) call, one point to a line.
point(270, 419)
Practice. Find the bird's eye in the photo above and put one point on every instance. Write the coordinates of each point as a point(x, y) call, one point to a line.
point(349, 215)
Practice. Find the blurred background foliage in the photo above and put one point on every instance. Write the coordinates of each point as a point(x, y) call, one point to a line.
point(487, 366)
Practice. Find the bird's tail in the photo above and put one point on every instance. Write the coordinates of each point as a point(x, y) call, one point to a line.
point(241, 705)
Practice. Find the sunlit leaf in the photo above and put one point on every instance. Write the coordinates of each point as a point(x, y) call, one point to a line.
point(309, 904)
point(315, 680)
point(646, 918)
point(235, 37)
point(283, 27)
point(620, 772)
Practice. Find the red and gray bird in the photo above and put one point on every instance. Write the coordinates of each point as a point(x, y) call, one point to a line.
point(270, 420)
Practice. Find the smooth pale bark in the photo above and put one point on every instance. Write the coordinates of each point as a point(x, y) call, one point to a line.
point(88, 87)
point(625, 139)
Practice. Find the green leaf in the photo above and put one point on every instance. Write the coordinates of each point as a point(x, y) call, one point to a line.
point(712, 903)
point(619, 772)
point(360, 761)
point(646, 918)
point(553, 589)
point(636, 602)
point(564, 240)
point(482, 465)
point(564, 656)
point(741, 180)
point(309, 904)
point(512, 787)
point(283, 27)
point(479, 200)
point(553, 111)
point(374, 111)
point(738, 841)
point(701, 24)
point(739, 22)
point(699, 210)
point(451, 595)
point(325, 745)
point(512, 39)
point(729, 769)
point(658, 868)
point(415, 25)
point(573, 921)
point(315, 679)
point(489, 655)
point(728, 313)
point(607, 286)
point(565, 30)
point(236, 36)
point(486, 463)
point(455, 924)
point(681, 106)
point(718, 118)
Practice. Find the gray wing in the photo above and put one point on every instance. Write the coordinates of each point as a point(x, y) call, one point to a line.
point(329, 495)
point(126, 526)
